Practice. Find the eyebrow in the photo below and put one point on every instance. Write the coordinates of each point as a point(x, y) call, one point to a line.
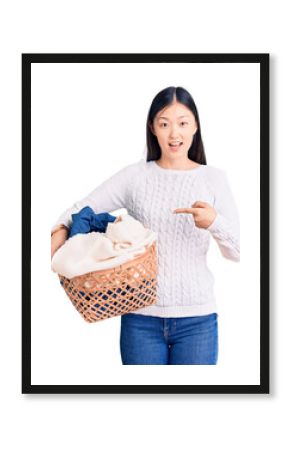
point(165, 118)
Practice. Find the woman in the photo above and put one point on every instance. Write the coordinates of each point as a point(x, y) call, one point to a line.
point(176, 194)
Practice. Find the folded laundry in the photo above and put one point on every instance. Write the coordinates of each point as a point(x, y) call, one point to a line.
point(84, 253)
point(86, 221)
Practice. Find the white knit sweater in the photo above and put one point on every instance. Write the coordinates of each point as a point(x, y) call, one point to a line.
point(185, 285)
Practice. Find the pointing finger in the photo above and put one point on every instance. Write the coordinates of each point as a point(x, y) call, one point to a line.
point(184, 210)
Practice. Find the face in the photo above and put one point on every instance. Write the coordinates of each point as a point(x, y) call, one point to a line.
point(174, 128)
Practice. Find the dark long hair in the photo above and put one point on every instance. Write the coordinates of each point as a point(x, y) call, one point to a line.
point(165, 98)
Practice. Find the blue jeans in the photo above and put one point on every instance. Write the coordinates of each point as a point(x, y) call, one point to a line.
point(176, 340)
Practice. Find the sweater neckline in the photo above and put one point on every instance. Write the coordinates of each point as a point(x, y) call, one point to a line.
point(182, 171)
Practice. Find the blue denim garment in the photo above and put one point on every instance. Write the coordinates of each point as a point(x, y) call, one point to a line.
point(86, 221)
point(177, 340)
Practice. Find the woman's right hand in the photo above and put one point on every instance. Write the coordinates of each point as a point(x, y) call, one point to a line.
point(58, 239)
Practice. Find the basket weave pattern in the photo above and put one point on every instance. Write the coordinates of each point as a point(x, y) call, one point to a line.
point(116, 291)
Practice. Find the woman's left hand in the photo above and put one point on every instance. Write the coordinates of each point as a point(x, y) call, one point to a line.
point(203, 213)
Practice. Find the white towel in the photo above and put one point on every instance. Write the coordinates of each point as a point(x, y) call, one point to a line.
point(127, 231)
point(82, 253)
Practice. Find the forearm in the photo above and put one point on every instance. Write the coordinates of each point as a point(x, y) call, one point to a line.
point(227, 236)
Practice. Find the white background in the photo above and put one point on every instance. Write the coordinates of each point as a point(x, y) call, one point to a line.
point(85, 127)
point(68, 421)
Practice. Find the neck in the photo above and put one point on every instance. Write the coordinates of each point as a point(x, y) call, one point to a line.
point(179, 164)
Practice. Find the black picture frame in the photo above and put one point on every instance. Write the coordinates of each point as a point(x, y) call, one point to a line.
point(263, 59)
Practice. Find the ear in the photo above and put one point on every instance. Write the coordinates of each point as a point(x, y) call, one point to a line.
point(151, 128)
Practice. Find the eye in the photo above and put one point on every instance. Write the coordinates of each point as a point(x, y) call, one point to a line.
point(184, 122)
point(163, 124)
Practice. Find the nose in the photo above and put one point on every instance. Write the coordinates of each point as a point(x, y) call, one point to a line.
point(173, 132)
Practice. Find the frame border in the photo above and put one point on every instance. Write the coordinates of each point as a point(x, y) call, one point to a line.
point(263, 59)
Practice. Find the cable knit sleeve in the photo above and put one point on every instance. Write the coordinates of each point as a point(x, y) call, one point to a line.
point(225, 229)
point(108, 196)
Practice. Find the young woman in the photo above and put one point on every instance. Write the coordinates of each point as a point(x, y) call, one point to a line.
point(175, 193)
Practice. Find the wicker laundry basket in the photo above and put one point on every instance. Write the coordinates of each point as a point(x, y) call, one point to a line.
point(112, 292)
